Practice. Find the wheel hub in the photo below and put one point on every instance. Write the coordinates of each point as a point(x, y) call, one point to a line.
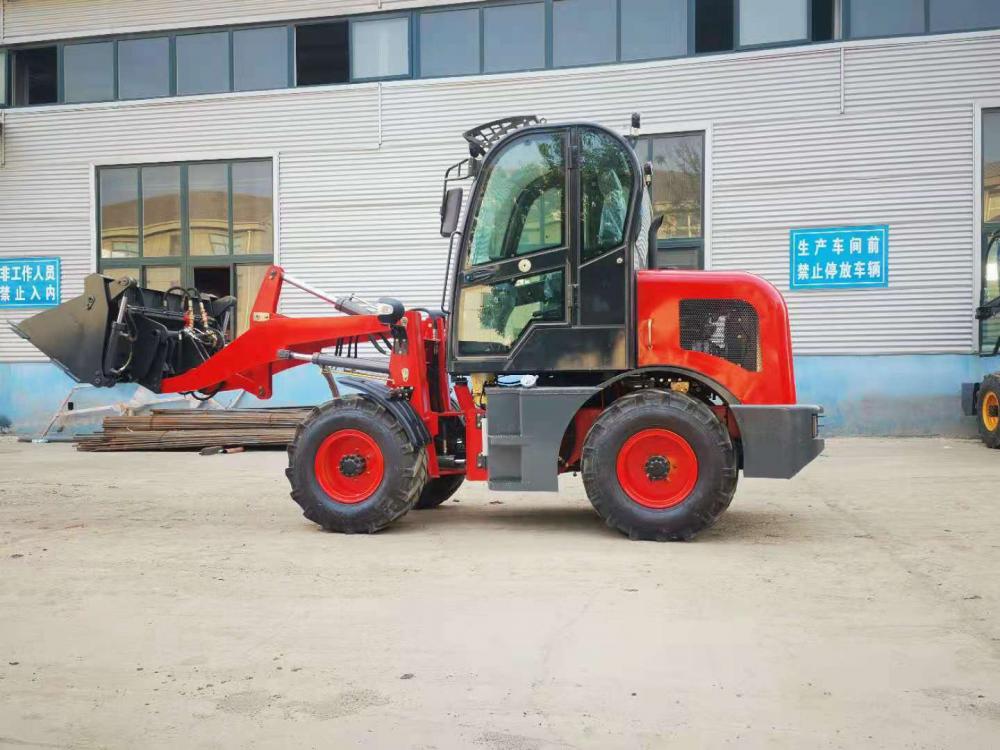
point(352, 465)
point(657, 468)
point(349, 466)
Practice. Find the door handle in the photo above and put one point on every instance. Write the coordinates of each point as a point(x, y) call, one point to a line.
point(480, 275)
point(649, 333)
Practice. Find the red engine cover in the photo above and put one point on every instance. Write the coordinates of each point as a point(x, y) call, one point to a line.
point(767, 378)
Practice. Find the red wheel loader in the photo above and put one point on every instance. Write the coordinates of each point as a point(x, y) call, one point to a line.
point(559, 348)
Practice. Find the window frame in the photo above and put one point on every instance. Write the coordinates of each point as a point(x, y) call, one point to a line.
point(981, 346)
point(701, 244)
point(418, 14)
point(352, 20)
point(738, 27)
point(185, 261)
point(848, 33)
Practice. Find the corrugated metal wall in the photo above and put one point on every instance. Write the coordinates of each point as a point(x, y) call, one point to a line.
point(358, 217)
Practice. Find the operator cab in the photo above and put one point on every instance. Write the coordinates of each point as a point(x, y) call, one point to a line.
point(544, 275)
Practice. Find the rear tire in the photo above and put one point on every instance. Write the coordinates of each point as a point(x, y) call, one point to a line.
point(659, 465)
point(988, 411)
point(436, 491)
point(352, 467)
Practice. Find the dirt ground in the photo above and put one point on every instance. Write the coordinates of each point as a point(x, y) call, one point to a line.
point(180, 601)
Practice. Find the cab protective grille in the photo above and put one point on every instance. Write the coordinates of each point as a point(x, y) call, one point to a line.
point(725, 328)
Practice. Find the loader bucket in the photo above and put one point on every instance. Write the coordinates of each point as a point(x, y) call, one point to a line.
point(116, 332)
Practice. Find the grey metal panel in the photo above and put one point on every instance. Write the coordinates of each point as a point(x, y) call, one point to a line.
point(359, 215)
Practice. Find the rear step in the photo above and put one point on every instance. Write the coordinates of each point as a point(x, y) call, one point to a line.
point(117, 332)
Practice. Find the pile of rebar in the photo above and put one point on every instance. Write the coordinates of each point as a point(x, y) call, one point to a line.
point(168, 429)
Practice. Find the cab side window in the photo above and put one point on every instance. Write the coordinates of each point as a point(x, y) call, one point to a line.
point(606, 185)
point(522, 206)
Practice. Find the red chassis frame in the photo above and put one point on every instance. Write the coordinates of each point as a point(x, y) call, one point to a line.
point(252, 359)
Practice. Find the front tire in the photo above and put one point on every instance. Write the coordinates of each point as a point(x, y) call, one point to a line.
point(988, 411)
point(436, 491)
point(352, 467)
point(659, 465)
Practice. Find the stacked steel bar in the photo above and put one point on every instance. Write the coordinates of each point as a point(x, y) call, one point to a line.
point(165, 429)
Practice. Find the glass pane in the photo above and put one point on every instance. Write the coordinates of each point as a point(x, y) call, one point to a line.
point(248, 281)
point(492, 318)
point(260, 58)
point(321, 54)
point(35, 76)
point(528, 168)
point(119, 212)
point(161, 211)
point(886, 17)
point(89, 72)
point(449, 43)
point(208, 209)
point(143, 68)
point(583, 32)
point(161, 278)
point(654, 28)
point(771, 21)
point(678, 174)
point(606, 184)
point(964, 15)
point(121, 273)
point(679, 258)
point(991, 166)
point(543, 225)
point(203, 63)
point(380, 48)
point(3, 78)
point(514, 37)
point(713, 25)
point(253, 208)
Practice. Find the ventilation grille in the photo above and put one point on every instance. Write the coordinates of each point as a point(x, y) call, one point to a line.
point(725, 328)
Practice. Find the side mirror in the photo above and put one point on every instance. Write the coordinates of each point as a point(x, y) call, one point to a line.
point(451, 207)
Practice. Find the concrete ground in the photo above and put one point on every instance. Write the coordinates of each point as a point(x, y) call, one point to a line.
point(166, 601)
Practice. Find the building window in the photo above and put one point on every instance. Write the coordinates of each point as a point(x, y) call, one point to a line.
point(321, 54)
point(260, 58)
point(449, 43)
point(514, 37)
point(653, 28)
point(144, 68)
point(826, 15)
point(203, 63)
point(35, 76)
point(678, 194)
point(3, 78)
point(380, 48)
point(772, 22)
point(89, 72)
point(713, 25)
point(989, 330)
point(964, 15)
point(204, 224)
point(584, 32)
point(871, 18)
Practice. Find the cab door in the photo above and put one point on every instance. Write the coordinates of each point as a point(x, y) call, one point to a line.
point(514, 270)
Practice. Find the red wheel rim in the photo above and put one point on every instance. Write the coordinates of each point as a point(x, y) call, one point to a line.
point(349, 466)
point(657, 468)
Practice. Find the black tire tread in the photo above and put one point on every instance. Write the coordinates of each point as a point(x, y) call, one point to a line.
point(990, 383)
point(621, 410)
point(436, 491)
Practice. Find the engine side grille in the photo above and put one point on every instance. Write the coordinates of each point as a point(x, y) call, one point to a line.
point(725, 328)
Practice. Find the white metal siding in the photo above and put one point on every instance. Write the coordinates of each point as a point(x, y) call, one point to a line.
point(358, 217)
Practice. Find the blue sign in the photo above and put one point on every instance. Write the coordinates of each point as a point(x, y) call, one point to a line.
point(29, 282)
point(840, 258)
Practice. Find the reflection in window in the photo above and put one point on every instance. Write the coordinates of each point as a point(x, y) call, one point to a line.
point(678, 174)
point(653, 28)
point(449, 43)
point(35, 77)
point(991, 166)
point(493, 317)
point(161, 211)
point(990, 329)
point(713, 25)
point(89, 72)
point(260, 58)
point(514, 37)
point(203, 63)
point(119, 190)
point(380, 48)
point(530, 167)
point(248, 281)
point(162, 278)
point(208, 209)
point(143, 68)
point(772, 21)
point(321, 54)
point(583, 32)
point(253, 207)
point(606, 183)
point(886, 17)
point(964, 15)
